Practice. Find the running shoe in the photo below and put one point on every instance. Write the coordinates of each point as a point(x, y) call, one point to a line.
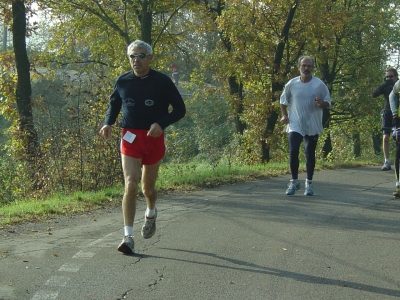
point(127, 245)
point(149, 227)
point(308, 191)
point(293, 185)
point(386, 167)
point(396, 192)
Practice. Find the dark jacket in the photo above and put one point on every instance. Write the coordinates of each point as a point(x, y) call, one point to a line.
point(384, 89)
point(144, 101)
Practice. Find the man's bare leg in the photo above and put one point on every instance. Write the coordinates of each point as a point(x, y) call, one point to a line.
point(131, 168)
point(149, 178)
point(385, 146)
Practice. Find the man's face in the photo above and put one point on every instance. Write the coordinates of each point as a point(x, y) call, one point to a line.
point(390, 76)
point(140, 66)
point(306, 68)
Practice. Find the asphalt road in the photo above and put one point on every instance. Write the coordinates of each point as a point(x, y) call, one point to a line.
point(241, 241)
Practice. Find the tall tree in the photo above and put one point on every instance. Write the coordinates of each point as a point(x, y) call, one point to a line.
point(23, 89)
point(216, 9)
point(4, 48)
point(349, 54)
point(264, 58)
point(276, 80)
point(127, 20)
point(341, 36)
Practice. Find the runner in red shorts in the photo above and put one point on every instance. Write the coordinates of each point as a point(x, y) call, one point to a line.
point(144, 96)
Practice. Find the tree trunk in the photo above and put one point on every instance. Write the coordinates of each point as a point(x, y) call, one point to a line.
point(4, 37)
point(377, 143)
point(271, 121)
point(327, 147)
point(357, 145)
point(146, 22)
point(23, 90)
point(276, 85)
point(236, 89)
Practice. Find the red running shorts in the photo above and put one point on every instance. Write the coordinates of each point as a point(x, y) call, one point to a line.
point(147, 148)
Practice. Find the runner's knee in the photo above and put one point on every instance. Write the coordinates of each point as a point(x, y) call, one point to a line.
point(149, 192)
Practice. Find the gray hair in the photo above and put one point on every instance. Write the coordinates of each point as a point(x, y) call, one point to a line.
point(138, 44)
point(306, 57)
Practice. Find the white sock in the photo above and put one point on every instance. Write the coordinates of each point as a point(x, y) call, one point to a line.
point(128, 230)
point(150, 212)
point(387, 160)
point(397, 184)
point(308, 181)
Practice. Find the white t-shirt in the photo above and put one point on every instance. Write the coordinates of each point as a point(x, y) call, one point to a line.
point(305, 117)
point(394, 98)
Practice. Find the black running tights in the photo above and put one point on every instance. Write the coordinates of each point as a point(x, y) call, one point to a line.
point(310, 144)
point(396, 161)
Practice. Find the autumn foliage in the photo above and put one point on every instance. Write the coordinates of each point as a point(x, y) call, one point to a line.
point(234, 57)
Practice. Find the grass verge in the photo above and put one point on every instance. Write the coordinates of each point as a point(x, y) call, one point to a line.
point(188, 177)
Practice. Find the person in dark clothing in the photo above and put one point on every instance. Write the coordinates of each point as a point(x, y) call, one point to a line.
point(391, 76)
point(144, 96)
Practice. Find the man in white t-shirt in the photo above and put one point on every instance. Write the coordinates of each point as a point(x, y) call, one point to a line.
point(306, 96)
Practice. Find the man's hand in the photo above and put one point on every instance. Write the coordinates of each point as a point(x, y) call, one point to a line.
point(285, 119)
point(155, 130)
point(319, 102)
point(394, 121)
point(105, 132)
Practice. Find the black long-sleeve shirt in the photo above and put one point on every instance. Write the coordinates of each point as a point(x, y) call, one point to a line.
point(384, 89)
point(144, 101)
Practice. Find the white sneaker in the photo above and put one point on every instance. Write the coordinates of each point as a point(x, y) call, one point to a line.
point(127, 245)
point(308, 191)
point(386, 167)
point(149, 227)
point(293, 185)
